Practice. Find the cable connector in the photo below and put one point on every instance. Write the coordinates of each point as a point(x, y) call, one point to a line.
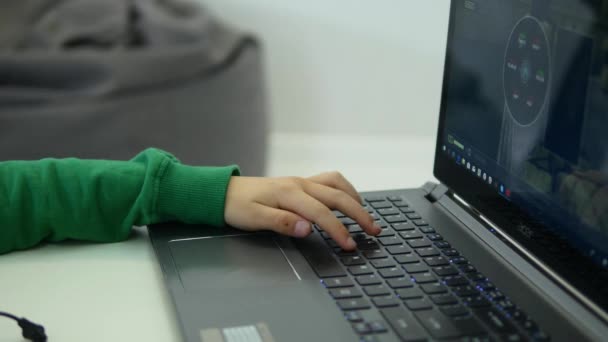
point(32, 331)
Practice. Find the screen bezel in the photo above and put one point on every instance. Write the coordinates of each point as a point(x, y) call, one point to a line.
point(483, 198)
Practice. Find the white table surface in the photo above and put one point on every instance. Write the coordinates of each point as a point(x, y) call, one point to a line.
point(115, 292)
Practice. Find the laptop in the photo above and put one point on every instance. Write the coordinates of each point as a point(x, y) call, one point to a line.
point(510, 245)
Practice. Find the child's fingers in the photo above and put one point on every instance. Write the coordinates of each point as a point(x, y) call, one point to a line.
point(280, 221)
point(337, 181)
point(303, 204)
point(337, 199)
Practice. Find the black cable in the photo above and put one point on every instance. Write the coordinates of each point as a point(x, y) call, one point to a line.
point(30, 330)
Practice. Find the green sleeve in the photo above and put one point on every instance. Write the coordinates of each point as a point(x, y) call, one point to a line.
point(100, 200)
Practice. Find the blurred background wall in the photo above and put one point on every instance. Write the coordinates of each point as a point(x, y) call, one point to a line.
point(348, 67)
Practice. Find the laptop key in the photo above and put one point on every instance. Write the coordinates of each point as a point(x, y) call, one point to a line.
point(411, 235)
point(388, 211)
point(476, 302)
point(438, 324)
point(467, 268)
point(353, 316)
point(396, 218)
point(386, 232)
point(407, 210)
point(455, 281)
point(506, 305)
point(360, 270)
point(418, 304)
point(476, 277)
point(427, 252)
point(495, 320)
point(398, 283)
point(369, 279)
point(350, 292)
point(413, 216)
point(401, 204)
point(376, 290)
point(375, 254)
point(393, 272)
point(347, 220)
point(515, 337)
point(342, 253)
point(415, 268)
point(383, 263)
point(465, 291)
point(519, 316)
point(459, 260)
point(354, 228)
point(372, 199)
point(407, 258)
point(361, 328)
point(331, 283)
point(385, 302)
point(400, 249)
point(409, 293)
point(377, 327)
point(395, 198)
point(443, 271)
point(442, 326)
point(381, 204)
point(455, 310)
point(442, 244)
point(420, 222)
point(444, 299)
point(353, 304)
point(435, 288)
point(320, 258)
point(359, 237)
point(427, 230)
point(353, 260)
point(367, 244)
point(450, 252)
point(540, 336)
point(486, 286)
point(436, 261)
point(418, 243)
point(403, 226)
point(495, 296)
point(390, 241)
point(423, 278)
point(434, 237)
point(404, 324)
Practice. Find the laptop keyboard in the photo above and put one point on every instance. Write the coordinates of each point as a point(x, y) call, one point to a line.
point(421, 286)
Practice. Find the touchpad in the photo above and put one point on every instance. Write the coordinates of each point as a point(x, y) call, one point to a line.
point(241, 261)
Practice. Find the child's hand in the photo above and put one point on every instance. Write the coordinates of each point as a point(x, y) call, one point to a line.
point(289, 205)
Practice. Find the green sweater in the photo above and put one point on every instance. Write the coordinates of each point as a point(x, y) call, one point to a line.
point(100, 200)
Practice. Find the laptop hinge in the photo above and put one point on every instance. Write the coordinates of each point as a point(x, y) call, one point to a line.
point(435, 191)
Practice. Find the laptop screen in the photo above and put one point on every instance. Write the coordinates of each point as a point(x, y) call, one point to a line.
point(523, 133)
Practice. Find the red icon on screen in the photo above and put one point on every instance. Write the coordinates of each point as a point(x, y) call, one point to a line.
point(508, 192)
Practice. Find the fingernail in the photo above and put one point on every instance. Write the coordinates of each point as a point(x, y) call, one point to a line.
point(302, 229)
point(377, 228)
point(350, 243)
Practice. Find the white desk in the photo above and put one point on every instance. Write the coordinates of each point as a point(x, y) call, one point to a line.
point(115, 292)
